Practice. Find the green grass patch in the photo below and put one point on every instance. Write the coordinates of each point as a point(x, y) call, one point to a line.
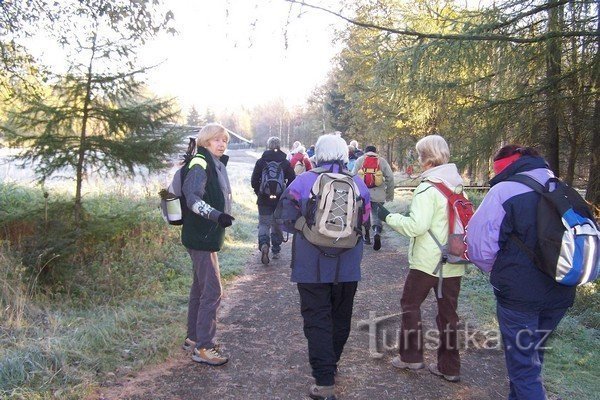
point(79, 307)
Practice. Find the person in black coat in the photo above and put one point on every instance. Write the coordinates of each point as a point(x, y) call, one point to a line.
point(270, 235)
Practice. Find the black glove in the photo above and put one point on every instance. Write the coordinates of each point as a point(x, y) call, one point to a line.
point(225, 220)
point(382, 213)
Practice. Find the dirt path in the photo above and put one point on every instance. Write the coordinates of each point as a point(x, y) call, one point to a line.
point(260, 327)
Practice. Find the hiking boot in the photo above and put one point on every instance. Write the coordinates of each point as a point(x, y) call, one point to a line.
point(275, 256)
point(377, 242)
point(433, 368)
point(210, 356)
point(398, 363)
point(317, 392)
point(264, 257)
point(188, 344)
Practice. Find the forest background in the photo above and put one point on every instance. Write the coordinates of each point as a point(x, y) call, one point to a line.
point(480, 75)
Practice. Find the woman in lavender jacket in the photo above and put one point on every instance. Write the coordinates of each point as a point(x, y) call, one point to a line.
point(326, 307)
point(530, 304)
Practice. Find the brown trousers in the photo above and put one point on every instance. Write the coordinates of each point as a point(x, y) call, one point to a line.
point(416, 288)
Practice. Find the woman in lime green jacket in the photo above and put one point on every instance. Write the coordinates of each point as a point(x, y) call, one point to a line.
point(429, 217)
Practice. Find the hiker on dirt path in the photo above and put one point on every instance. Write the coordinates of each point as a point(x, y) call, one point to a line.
point(299, 161)
point(326, 277)
point(206, 213)
point(293, 149)
point(530, 304)
point(379, 178)
point(352, 157)
point(268, 189)
point(429, 216)
point(357, 151)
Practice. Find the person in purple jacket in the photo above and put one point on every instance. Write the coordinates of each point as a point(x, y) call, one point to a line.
point(326, 305)
point(529, 304)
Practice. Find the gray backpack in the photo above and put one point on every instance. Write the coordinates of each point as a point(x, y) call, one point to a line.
point(333, 212)
point(272, 181)
point(171, 197)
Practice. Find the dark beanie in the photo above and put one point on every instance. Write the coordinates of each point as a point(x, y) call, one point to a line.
point(370, 149)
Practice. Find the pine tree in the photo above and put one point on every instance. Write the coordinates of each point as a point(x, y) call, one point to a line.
point(193, 118)
point(97, 116)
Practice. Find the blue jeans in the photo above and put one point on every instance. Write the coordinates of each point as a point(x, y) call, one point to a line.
point(524, 336)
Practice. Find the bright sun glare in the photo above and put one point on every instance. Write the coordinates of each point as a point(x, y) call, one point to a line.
point(232, 53)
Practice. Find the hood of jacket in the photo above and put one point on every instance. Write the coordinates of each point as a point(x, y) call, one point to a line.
point(445, 173)
point(274, 155)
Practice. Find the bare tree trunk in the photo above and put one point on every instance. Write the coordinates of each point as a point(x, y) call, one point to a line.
point(593, 188)
point(553, 70)
point(79, 170)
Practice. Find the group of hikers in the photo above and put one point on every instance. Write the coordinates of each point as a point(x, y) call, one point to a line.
point(275, 170)
point(331, 207)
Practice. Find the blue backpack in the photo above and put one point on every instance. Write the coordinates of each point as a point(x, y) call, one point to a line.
point(568, 245)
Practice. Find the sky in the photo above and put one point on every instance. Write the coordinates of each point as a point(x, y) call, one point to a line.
point(232, 53)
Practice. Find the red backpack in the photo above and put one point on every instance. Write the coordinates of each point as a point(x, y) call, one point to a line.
point(460, 211)
point(371, 172)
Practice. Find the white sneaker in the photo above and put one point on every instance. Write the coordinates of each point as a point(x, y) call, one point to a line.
point(398, 363)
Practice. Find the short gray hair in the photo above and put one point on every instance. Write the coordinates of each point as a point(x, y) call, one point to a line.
point(433, 150)
point(331, 147)
point(273, 143)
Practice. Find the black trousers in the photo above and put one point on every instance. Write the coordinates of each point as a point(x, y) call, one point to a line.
point(327, 312)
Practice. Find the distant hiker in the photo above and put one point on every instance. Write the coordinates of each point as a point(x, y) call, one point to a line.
point(379, 178)
point(272, 174)
point(428, 218)
point(311, 151)
point(295, 145)
point(206, 214)
point(500, 237)
point(299, 161)
point(327, 277)
point(357, 151)
point(351, 157)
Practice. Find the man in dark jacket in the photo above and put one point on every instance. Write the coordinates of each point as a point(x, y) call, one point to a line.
point(269, 233)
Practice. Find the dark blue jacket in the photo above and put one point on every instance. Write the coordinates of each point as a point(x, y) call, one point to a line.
point(511, 208)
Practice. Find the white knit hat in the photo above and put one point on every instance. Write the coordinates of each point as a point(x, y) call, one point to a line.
point(331, 148)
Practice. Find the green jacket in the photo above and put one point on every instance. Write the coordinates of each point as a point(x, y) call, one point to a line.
point(201, 233)
point(428, 211)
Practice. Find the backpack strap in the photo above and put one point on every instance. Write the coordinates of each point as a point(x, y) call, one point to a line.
point(536, 187)
point(445, 190)
point(528, 181)
point(440, 266)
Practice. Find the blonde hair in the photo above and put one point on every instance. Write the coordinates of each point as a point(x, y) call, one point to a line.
point(210, 131)
point(433, 150)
